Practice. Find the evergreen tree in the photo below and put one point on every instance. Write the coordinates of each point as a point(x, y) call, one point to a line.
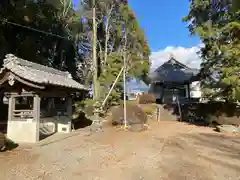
point(218, 25)
point(54, 33)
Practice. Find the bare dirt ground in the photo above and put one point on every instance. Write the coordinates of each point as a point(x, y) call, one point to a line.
point(167, 151)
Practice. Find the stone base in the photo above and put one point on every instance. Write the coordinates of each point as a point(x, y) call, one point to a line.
point(64, 124)
point(23, 131)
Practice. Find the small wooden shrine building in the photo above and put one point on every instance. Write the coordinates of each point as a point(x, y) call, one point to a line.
point(32, 91)
point(172, 80)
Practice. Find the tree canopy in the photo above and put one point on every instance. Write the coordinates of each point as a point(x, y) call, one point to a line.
point(39, 31)
point(118, 35)
point(218, 25)
point(57, 34)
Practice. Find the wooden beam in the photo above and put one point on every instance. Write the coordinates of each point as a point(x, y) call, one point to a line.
point(5, 78)
point(46, 93)
point(24, 94)
point(53, 94)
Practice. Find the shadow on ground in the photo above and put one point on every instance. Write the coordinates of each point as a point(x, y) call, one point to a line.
point(82, 121)
point(10, 145)
point(201, 156)
point(222, 150)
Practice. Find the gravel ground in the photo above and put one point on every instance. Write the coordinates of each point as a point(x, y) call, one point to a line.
point(167, 151)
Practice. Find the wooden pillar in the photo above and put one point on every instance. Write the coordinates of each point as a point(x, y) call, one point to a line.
point(163, 94)
point(69, 113)
point(69, 106)
point(188, 91)
point(11, 107)
point(36, 114)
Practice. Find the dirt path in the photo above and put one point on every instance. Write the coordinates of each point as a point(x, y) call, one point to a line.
point(168, 151)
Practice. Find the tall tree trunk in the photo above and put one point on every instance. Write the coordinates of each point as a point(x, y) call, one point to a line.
point(107, 34)
point(96, 85)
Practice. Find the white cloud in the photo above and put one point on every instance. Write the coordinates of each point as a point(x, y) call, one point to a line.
point(187, 56)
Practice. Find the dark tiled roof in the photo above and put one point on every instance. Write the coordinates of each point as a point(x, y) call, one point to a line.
point(173, 71)
point(39, 74)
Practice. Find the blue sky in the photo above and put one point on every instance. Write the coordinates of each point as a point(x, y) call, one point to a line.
point(161, 20)
point(165, 31)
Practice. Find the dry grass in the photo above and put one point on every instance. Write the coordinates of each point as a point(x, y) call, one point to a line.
point(167, 151)
point(146, 99)
point(149, 109)
point(135, 115)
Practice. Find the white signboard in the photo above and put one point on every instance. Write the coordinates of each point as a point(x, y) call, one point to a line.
point(195, 90)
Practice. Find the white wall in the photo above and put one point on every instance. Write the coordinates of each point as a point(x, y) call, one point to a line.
point(195, 90)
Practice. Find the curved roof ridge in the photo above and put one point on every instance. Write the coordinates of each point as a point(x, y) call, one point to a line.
point(13, 60)
point(38, 73)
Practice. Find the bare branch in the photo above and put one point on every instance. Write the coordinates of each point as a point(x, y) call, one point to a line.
point(68, 7)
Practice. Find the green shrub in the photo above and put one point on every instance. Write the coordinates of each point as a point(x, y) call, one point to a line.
point(214, 112)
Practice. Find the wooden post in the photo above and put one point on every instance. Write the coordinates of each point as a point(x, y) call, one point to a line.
point(69, 106)
point(69, 112)
point(36, 114)
point(158, 113)
point(179, 109)
point(163, 95)
point(188, 91)
point(11, 107)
